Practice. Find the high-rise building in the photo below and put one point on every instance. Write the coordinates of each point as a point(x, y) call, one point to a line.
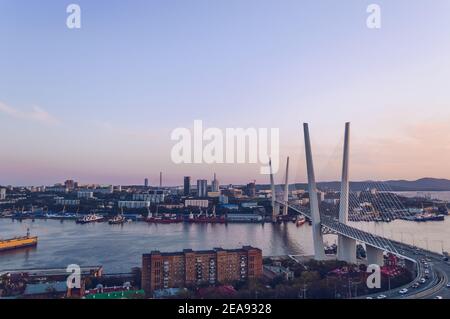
point(187, 185)
point(215, 184)
point(160, 179)
point(250, 189)
point(202, 188)
point(2, 193)
point(146, 182)
point(192, 268)
point(70, 184)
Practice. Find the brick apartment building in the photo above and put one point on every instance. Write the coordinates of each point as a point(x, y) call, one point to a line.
point(190, 268)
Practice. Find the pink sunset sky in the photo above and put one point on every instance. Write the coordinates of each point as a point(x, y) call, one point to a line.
point(98, 104)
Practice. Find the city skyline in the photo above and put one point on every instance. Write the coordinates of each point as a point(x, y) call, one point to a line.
point(98, 104)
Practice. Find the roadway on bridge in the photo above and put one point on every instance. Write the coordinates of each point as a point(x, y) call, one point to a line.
point(439, 273)
point(438, 269)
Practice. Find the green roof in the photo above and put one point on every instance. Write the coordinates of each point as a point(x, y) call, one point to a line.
point(117, 294)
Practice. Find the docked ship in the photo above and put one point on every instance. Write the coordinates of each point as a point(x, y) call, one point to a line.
point(91, 218)
point(205, 217)
point(18, 242)
point(23, 214)
point(62, 215)
point(424, 217)
point(163, 219)
point(118, 219)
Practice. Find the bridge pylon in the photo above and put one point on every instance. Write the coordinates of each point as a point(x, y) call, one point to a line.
point(286, 189)
point(275, 204)
point(346, 246)
point(319, 253)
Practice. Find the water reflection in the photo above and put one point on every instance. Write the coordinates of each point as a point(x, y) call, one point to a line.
point(119, 247)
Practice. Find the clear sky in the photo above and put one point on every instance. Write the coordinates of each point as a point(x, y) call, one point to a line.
point(98, 104)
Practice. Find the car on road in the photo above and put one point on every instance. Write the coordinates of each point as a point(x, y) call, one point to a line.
point(422, 280)
point(438, 297)
point(448, 285)
point(403, 291)
point(426, 271)
point(415, 285)
point(369, 298)
point(381, 297)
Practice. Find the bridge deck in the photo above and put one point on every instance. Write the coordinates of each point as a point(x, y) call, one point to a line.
point(352, 232)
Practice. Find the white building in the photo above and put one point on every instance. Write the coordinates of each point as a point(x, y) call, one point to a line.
point(153, 197)
point(85, 194)
point(2, 193)
point(134, 204)
point(213, 194)
point(196, 203)
point(67, 202)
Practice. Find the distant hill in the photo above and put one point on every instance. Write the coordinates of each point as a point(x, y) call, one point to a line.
point(423, 184)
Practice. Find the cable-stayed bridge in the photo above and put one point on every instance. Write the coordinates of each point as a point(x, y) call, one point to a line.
point(365, 206)
point(348, 235)
point(330, 224)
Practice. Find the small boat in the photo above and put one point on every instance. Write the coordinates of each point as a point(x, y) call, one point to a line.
point(300, 221)
point(91, 218)
point(428, 217)
point(116, 220)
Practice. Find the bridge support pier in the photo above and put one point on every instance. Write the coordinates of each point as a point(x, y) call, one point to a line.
point(275, 211)
point(374, 255)
point(346, 249)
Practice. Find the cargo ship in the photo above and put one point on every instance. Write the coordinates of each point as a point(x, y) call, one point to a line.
point(18, 242)
point(205, 218)
point(91, 218)
point(164, 219)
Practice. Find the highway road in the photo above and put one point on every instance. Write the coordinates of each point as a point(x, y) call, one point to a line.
point(427, 262)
